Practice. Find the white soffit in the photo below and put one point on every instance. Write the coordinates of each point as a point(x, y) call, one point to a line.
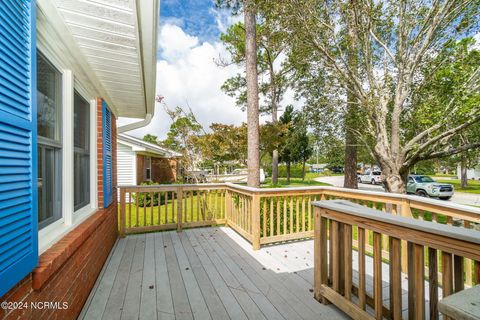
point(108, 33)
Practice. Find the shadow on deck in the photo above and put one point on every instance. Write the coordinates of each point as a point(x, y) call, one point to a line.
point(206, 273)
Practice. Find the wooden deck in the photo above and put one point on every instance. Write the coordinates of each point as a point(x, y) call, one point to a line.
point(207, 273)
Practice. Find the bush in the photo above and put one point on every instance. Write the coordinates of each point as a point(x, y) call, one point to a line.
point(145, 198)
point(295, 171)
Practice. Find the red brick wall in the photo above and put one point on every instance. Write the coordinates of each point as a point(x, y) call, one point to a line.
point(163, 170)
point(71, 283)
point(68, 270)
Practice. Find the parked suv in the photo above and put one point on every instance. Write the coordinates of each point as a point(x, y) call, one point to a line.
point(425, 186)
point(373, 177)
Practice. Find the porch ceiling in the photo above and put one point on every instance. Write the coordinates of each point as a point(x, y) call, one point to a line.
point(121, 51)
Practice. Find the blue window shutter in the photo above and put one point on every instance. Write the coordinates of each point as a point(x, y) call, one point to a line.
point(107, 155)
point(18, 143)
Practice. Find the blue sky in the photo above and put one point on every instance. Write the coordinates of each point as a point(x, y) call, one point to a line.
point(198, 18)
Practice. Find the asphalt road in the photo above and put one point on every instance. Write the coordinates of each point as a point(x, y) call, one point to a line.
point(458, 197)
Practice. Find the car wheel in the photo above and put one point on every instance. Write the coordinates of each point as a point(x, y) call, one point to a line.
point(359, 180)
point(421, 193)
point(445, 198)
point(373, 182)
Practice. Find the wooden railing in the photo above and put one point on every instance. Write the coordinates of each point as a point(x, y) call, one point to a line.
point(169, 207)
point(264, 216)
point(441, 249)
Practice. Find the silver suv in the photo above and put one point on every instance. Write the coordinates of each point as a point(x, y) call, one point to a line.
point(425, 186)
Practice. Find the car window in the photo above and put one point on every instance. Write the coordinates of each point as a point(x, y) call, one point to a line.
point(410, 180)
point(424, 179)
point(376, 173)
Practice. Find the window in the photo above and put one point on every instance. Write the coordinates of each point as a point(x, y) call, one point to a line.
point(148, 168)
point(49, 107)
point(81, 154)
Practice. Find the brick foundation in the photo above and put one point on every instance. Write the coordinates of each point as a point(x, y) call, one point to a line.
point(73, 280)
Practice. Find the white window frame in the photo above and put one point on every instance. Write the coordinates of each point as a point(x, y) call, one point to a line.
point(52, 233)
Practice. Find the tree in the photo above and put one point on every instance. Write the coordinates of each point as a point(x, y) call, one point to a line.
point(150, 138)
point(269, 55)
point(296, 146)
point(225, 143)
point(396, 40)
point(253, 179)
point(182, 137)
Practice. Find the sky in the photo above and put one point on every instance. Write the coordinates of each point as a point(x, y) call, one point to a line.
point(187, 76)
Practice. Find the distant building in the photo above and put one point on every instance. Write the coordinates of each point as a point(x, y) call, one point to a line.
point(318, 167)
point(472, 173)
point(140, 161)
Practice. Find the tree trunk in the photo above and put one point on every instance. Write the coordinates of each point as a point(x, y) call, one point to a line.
point(303, 170)
point(463, 174)
point(253, 179)
point(350, 178)
point(275, 167)
point(288, 171)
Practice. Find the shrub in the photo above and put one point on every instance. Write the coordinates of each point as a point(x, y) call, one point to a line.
point(145, 198)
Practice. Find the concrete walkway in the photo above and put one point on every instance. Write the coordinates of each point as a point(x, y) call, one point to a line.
point(459, 197)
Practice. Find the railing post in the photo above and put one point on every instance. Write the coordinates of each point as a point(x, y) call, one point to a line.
point(405, 211)
point(228, 206)
point(122, 212)
point(179, 209)
point(255, 221)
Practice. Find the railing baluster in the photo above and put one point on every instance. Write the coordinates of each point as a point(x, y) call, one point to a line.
point(347, 252)
point(285, 213)
point(361, 269)
point(151, 207)
point(297, 215)
point(377, 274)
point(264, 217)
point(278, 216)
point(303, 214)
point(291, 215)
point(395, 278)
point(418, 274)
point(272, 224)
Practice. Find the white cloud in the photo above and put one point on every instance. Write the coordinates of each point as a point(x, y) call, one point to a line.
point(187, 74)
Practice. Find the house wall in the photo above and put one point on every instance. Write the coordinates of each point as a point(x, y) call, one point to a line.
point(472, 173)
point(164, 170)
point(126, 172)
point(67, 271)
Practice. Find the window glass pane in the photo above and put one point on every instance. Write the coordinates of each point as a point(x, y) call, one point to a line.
point(49, 99)
point(81, 160)
point(49, 96)
point(49, 185)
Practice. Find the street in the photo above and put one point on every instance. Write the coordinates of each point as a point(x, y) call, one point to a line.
point(458, 197)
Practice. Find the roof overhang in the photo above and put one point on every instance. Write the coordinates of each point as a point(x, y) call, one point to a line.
point(118, 40)
point(139, 145)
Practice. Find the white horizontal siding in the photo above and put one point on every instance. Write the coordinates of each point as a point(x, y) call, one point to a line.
point(125, 165)
point(126, 171)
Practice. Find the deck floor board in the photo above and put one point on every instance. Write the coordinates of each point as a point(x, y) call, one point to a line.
point(201, 274)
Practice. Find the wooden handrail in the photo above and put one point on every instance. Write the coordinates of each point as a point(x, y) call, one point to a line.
point(334, 222)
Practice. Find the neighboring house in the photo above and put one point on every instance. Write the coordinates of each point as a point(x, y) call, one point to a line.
point(68, 70)
point(140, 161)
point(472, 173)
point(318, 167)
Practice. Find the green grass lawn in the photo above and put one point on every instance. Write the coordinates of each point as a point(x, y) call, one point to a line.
point(295, 182)
point(473, 185)
point(195, 208)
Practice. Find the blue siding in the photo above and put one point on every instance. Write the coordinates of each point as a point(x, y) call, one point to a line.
point(107, 155)
point(18, 145)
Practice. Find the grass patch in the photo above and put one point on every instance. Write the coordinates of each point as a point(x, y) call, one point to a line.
point(295, 182)
point(195, 207)
point(473, 185)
